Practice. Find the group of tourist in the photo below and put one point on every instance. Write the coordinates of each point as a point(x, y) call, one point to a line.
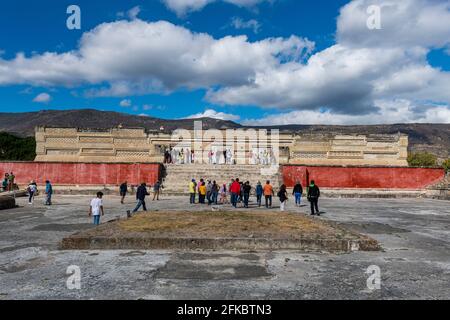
point(8, 182)
point(32, 191)
point(187, 156)
point(212, 193)
point(141, 194)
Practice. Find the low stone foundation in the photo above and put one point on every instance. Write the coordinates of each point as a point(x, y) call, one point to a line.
point(242, 230)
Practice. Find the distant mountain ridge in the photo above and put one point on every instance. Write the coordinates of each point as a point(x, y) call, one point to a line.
point(434, 138)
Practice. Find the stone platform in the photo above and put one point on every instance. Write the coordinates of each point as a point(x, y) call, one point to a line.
point(224, 230)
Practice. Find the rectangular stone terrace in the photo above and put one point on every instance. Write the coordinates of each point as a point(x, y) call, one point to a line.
point(414, 260)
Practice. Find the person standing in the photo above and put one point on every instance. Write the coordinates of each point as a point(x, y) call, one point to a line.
point(141, 193)
point(297, 192)
point(156, 190)
point(282, 194)
point(202, 193)
point(48, 192)
point(123, 189)
point(32, 189)
point(268, 194)
point(11, 179)
point(214, 192)
point(223, 194)
point(209, 192)
point(235, 189)
point(259, 193)
point(166, 156)
point(192, 190)
point(96, 208)
point(5, 182)
point(313, 198)
point(246, 190)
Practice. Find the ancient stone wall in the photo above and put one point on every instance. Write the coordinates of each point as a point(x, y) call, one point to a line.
point(129, 145)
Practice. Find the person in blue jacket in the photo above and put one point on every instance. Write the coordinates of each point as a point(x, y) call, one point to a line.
point(259, 193)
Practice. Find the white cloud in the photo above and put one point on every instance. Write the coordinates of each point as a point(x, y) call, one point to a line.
point(404, 23)
point(132, 14)
point(239, 24)
point(210, 113)
point(125, 103)
point(349, 78)
point(182, 7)
point(389, 112)
point(140, 57)
point(42, 98)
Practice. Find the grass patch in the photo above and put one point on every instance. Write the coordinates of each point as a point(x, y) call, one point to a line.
point(226, 224)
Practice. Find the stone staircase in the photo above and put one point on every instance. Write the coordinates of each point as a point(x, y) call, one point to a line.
point(176, 178)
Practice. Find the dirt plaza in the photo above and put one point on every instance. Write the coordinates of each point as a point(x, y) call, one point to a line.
point(414, 261)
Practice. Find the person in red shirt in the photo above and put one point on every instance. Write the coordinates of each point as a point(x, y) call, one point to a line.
point(235, 190)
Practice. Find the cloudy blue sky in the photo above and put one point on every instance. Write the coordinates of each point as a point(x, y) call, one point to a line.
point(251, 61)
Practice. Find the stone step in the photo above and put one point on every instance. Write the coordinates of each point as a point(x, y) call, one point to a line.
point(177, 177)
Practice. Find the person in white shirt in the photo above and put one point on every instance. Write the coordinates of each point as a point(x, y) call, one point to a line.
point(96, 208)
point(32, 189)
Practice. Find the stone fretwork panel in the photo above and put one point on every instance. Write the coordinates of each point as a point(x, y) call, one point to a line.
point(136, 145)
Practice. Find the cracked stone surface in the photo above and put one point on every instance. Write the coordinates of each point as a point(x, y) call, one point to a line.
point(414, 263)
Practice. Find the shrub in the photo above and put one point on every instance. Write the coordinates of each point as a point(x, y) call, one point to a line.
point(422, 159)
point(446, 165)
point(14, 148)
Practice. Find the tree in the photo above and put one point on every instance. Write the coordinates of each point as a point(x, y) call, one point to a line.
point(422, 159)
point(14, 148)
point(446, 165)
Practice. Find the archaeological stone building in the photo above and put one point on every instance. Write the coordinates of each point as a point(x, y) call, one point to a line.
point(136, 145)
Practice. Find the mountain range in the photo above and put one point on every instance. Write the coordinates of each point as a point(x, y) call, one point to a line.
point(433, 138)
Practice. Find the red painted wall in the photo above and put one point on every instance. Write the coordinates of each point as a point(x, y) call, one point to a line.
point(82, 173)
point(363, 177)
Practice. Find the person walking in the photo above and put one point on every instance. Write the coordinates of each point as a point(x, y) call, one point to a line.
point(141, 193)
point(156, 190)
point(282, 194)
point(192, 191)
point(259, 193)
point(32, 189)
point(96, 208)
point(313, 198)
point(235, 190)
point(48, 193)
point(123, 191)
point(246, 190)
point(268, 194)
point(202, 193)
point(297, 192)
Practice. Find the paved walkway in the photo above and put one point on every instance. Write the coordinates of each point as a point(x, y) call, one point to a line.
point(415, 234)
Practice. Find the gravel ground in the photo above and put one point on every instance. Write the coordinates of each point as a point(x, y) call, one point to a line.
point(415, 262)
